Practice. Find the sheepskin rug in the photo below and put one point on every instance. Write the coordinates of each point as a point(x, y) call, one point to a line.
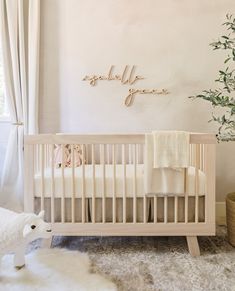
point(52, 269)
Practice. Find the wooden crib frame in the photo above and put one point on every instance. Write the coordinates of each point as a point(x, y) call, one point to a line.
point(202, 156)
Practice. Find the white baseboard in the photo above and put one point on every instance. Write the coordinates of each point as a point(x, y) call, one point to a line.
point(220, 213)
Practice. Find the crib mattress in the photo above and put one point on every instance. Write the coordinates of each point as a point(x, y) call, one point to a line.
point(175, 183)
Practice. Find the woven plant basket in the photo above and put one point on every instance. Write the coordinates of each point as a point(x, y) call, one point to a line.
point(230, 216)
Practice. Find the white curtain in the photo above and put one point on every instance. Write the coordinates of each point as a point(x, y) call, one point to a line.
point(19, 32)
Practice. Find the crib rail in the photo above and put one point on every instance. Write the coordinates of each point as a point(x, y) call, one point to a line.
point(195, 138)
point(95, 212)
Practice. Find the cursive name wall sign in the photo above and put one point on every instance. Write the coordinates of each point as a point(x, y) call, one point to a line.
point(129, 100)
point(126, 77)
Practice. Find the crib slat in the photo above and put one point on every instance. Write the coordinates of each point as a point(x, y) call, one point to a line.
point(48, 155)
point(73, 184)
point(197, 156)
point(155, 209)
point(130, 153)
point(203, 157)
point(45, 155)
point(33, 167)
point(190, 154)
point(104, 186)
point(194, 154)
point(42, 175)
point(100, 154)
point(186, 196)
point(165, 209)
point(52, 184)
point(83, 182)
point(114, 182)
point(196, 196)
point(144, 199)
point(38, 157)
point(176, 209)
point(186, 208)
point(197, 165)
point(124, 182)
point(86, 148)
point(93, 183)
point(137, 154)
point(63, 185)
point(134, 184)
point(144, 209)
point(108, 154)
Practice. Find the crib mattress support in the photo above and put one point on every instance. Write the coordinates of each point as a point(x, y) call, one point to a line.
point(134, 229)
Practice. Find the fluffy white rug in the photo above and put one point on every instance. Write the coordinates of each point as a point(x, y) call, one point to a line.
point(52, 269)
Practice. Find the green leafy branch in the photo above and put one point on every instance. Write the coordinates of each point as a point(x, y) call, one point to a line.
point(223, 97)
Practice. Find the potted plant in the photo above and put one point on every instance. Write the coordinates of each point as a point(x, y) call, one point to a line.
point(222, 98)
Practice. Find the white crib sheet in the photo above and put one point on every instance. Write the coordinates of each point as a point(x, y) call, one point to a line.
point(178, 177)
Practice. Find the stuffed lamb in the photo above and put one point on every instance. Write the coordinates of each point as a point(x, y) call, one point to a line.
point(17, 230)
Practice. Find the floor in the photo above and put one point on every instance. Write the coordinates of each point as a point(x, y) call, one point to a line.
point(158, 263)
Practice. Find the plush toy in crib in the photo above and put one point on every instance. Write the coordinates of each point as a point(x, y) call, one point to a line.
point(59, 157)
point(66, 159)
point(77, 156)
point(17, 230)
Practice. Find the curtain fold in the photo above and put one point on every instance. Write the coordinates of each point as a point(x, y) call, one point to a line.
point(20, 35)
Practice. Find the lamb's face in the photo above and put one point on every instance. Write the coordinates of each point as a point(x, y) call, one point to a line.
point(38, 228)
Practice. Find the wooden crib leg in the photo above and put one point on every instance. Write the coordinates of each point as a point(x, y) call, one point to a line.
point(193, 246)
point(46, 242)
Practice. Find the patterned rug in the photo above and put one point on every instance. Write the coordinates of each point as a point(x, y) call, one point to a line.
point(158, 263)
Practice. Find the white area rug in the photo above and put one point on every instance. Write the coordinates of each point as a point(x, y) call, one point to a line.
point(54, 270)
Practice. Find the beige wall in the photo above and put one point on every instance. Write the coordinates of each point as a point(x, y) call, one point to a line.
point(167, 41)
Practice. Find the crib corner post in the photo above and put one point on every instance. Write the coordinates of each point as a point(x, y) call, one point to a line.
point(193, 246)
point(210, 162)
point(28, 178)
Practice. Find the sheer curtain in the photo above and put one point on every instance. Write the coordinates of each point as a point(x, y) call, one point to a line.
point(19, 34)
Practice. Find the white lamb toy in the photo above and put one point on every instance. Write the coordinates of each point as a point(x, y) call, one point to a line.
point(17, 230)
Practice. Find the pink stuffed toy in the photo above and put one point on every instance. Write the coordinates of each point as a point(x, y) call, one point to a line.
point(59, 158)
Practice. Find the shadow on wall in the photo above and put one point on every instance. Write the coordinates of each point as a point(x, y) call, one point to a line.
point(225, 173)
point(50, 69)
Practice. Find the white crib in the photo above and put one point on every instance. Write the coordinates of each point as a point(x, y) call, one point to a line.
point(105, 196)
